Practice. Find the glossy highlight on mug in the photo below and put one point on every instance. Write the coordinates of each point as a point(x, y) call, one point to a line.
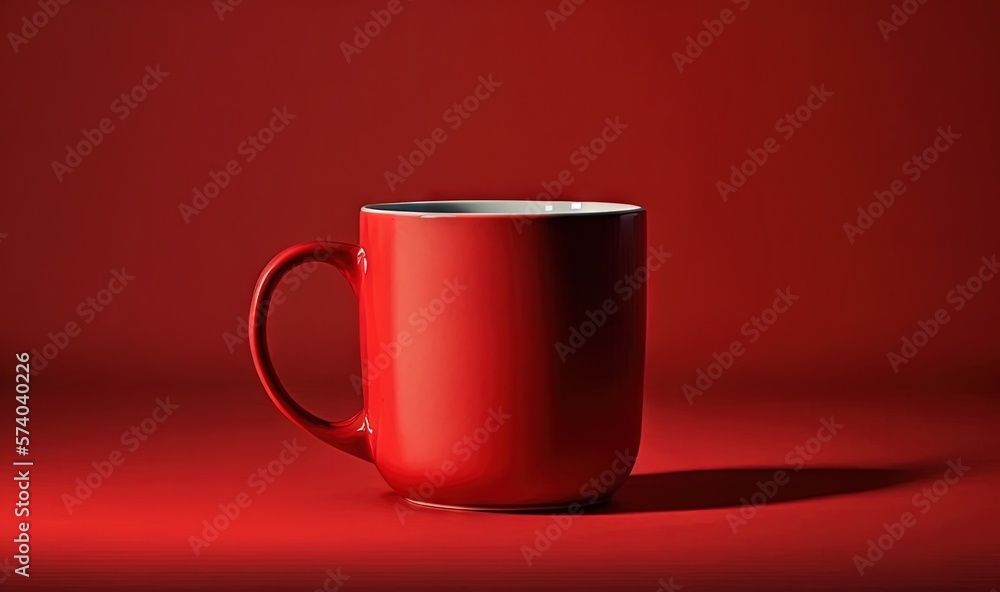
point(476, 410)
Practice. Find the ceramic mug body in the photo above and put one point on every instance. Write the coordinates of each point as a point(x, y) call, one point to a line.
point(502, 349)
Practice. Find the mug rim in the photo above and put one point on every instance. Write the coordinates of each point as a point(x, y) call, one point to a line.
point(498, 208)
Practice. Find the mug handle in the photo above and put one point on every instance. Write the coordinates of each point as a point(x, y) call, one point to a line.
point(350, 435)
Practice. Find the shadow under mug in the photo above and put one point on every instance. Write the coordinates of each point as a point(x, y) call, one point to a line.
point(502, 349)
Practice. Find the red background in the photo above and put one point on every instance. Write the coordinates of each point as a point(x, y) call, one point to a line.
point(163, 335)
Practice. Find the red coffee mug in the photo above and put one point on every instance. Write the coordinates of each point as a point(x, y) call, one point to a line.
point(502, 349)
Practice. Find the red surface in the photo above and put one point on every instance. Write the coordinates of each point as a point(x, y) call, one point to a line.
point(329, 510)
point(175, 328)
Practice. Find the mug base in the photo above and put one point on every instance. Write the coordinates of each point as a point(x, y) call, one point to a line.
point(526, 508)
